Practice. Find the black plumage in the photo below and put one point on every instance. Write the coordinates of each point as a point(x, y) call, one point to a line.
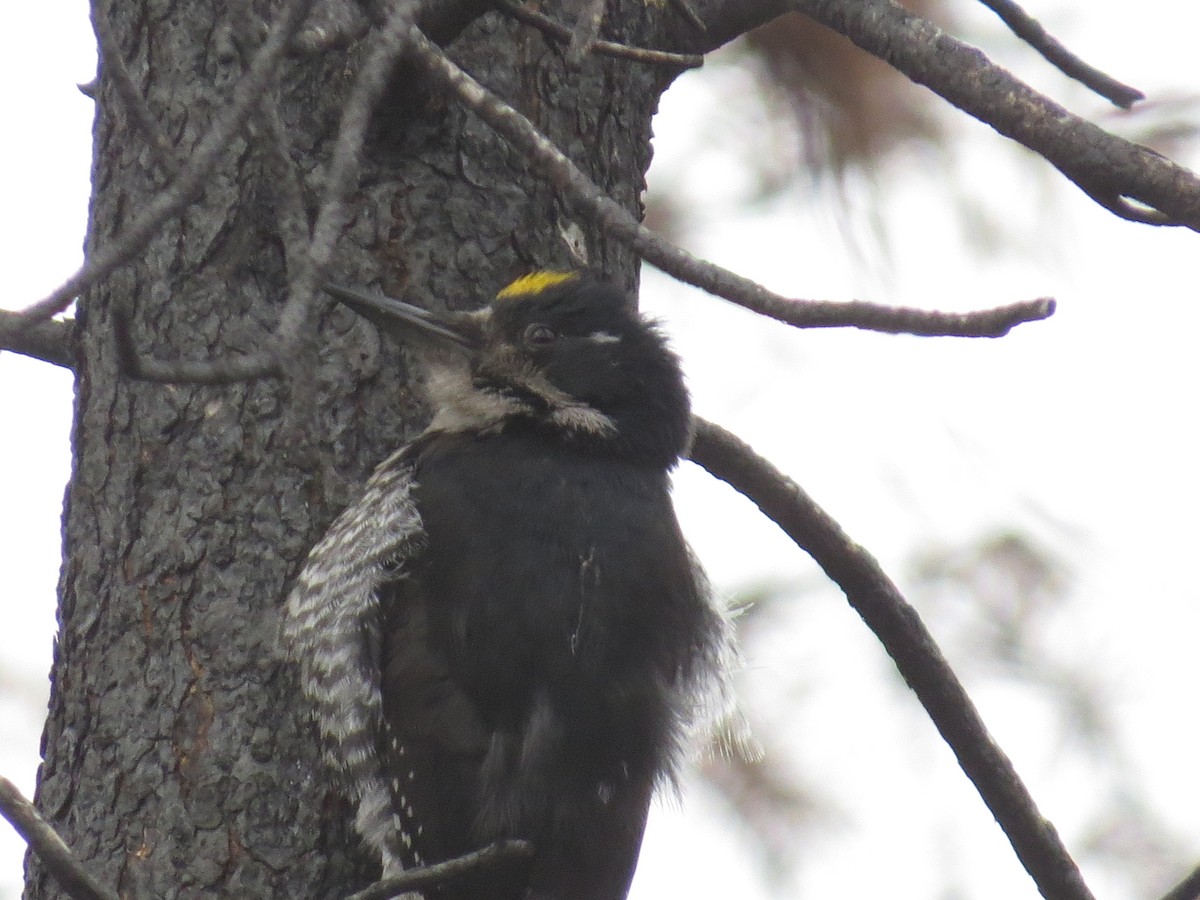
point(507, 636)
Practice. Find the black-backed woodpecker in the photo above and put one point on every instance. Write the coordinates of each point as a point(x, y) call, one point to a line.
point(506, 635)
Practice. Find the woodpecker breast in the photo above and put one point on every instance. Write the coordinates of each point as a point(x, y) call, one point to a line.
point(506, 635)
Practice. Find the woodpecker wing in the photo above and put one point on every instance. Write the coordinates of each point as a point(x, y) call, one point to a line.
point(332, 631)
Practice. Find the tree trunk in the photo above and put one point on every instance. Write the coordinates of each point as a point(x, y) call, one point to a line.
point(177, 758)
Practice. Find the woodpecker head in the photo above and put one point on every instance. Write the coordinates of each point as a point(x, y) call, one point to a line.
point(563, 352)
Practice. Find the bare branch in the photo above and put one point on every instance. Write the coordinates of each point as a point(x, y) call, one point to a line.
point(1188, 889)
point(1030, 30)
point(293, 337)
point(51, 849)
point(246, 95)
point(331, 218)
point(1108, 169)
point(51, 341)
point(292, 333)
point(286, 188)
point(332, 26)
point(559, 32)
point(610, 215)
point(223, 370)
point(995, 322)
point(918, 658)
point(162, 151)
point(477, 861)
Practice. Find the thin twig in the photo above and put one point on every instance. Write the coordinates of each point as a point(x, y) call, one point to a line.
point(222, 370)
point(332, 26)
point(162, 151)
point(293, 331)
point(439, 873)
point(389, 44)
point(995, 322)
point(1188, 889)
point(918, 658)
point(246, 94)
point(320, 40)
point(617, 221)
point(284, 349)
point(292, 344)
point(286, 188)
point(562, 33)
point(294, 351)
point(51, 849)
point(1030, 30)
point(1110, 170)
point(289, 213)
point(51, 341)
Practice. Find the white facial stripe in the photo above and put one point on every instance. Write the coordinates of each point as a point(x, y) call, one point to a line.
point(463, 407)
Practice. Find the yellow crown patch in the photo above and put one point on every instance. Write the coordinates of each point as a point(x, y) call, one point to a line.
point(535, 283)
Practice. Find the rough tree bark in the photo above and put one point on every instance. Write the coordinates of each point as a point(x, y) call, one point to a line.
point(176, 761)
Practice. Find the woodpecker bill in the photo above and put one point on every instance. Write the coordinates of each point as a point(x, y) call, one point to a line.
point(506, 635)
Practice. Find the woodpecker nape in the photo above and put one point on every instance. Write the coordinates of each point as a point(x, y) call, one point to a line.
point(506, 635)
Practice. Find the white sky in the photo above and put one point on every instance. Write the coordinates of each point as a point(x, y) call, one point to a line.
point(1080, 431)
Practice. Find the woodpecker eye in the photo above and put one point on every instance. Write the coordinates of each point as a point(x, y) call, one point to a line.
point(539, 335)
